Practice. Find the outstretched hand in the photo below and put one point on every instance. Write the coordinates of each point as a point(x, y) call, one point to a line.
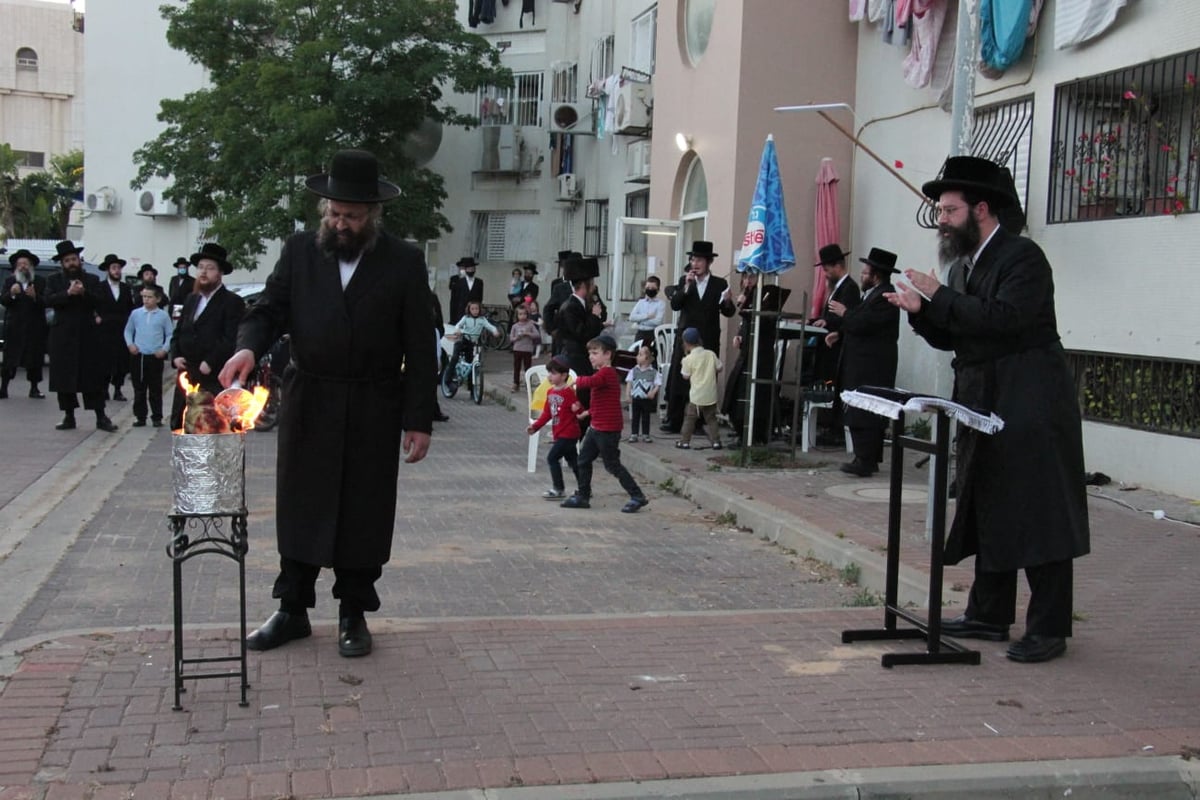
point(237, 368)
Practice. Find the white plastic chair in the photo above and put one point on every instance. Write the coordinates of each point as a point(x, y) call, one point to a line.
point(534, 376)
point(664, 343)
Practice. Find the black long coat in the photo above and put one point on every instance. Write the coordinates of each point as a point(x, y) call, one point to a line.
point(576, 325)
point(1021, 495)
point(847, 294)
point(460, 295)
point(24, 326)
point(114, 313)
point(209, 338)
point(869, 332)
point(362, 373)
point(76, 351)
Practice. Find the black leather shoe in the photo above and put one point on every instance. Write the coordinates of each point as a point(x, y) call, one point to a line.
point(118, 397)
point(280, 628)
point(576, 501)
point(139, 423)
point(963, 627)
point(354, 639)
point(68, 424)
point(1033, 649)
point(441, 417)
point(858, 468)
point(36, 394)
point(106, 424)
point(157, 423)
point(3, 394)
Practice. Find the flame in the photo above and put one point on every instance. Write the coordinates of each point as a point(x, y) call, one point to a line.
point(241, 407)
point(188, 388)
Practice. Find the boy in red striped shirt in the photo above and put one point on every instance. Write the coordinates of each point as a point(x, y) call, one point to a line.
point(603, 437)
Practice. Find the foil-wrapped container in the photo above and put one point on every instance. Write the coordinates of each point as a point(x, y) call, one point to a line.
point(208, 473)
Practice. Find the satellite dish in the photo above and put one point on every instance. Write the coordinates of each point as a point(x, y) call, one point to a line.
point(422, 144)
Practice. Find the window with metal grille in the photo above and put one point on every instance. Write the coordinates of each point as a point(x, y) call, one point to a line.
point(27, 58)
point(641, 48)
point(595, 228)
point(603, 59)
point(518, 105)
point(1126, 142)
point(1002, 133)
point(30, 158)
point(637, 204)
point(1152, 394)
point(504, 235)
point(564, 82)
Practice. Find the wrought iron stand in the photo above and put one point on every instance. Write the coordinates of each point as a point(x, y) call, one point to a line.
point(938, 650)
point(194, 535)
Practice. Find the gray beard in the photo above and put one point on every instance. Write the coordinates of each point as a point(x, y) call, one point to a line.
point(961, 242)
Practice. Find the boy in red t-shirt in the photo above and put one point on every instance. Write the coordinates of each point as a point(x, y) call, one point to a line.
point(603, 437)
point(560, 409)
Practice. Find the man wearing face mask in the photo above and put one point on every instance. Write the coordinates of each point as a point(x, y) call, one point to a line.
point(24, 323)
point(180, 287)
point(648, 312)
point(464, 288)
point(77, 362)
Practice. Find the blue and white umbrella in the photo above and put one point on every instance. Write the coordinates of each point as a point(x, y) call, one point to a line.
point(766, 249)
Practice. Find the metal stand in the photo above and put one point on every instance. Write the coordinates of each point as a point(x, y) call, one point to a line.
point(212, 538)
point(938, 650)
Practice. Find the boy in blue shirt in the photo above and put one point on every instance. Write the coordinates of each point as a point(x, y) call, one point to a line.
point(148, 337)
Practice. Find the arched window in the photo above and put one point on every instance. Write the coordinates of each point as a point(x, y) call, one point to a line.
point(27, 59)
point(693, 212)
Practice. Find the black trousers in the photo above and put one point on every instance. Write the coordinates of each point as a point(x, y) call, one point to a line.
point(295, 588)
point(993, 598)
point(146, 375)
point(93, 401)
point(607, 446)
point(868, 444)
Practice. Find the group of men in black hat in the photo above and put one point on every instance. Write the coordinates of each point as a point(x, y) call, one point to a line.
point(23, 297)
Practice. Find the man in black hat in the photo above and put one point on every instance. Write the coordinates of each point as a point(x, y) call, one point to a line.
point(701, 299)
point(578, 322)
point(842, 289)
point(1022, 503)
point(148, 275)
point(464, 288)
point(77, 363)
point(206, 334)
point(529, 289)
point(23, 298)
point(114, 302)
point(361, 390)
point(180, 286)
point(560, 290)
point(868, 334)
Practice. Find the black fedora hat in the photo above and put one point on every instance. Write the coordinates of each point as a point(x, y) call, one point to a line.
point(831, 254)
point(880, 259)
point(466, 261)
point(181, 262)
point(702, 249)
point(974, 174)
point(353, 177)
point(563, 255)
point(112, 258)
point(213, 252)
point(65, 248)
point(581, 269)
point(23, 253)
point(144, 268)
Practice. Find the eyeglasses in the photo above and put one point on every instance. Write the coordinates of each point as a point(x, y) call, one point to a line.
point(948, 211)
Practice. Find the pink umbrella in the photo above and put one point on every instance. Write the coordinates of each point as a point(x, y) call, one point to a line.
point(828, 229)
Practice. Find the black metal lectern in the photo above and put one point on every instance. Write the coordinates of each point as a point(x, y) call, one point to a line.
point(938, 650)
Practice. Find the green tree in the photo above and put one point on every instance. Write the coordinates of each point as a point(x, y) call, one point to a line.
point(290, 82)
point(38, 206)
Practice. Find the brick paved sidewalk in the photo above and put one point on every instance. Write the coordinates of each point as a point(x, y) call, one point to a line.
point(534, 698)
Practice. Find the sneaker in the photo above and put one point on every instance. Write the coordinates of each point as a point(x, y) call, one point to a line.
point(683, 446)
point(634, 505)
point(553, 494)
point(647, 439)
point(576, 501)
point(717, 446)
point(633, 439)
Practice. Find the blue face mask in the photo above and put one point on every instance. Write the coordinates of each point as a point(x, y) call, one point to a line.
point(182, 270)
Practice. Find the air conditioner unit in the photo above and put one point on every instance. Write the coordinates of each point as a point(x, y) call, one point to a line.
point(501, 149)
point(154, 204)
point(637, 161)
point(102, 201)
point(633, 106)
point(568, 118)
point(568, 186)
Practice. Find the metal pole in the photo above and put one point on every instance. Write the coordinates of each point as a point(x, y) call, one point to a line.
point(962, 111)
point(748, 442)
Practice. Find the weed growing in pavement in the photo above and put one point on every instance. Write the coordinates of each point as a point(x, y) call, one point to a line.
point(840, 534)
point(864, 598)
point(714, 467)
point(727, 518)
point(1076, 616)
point(669, 486)
point(766, 458)
point(850, 574)
point(501, 398)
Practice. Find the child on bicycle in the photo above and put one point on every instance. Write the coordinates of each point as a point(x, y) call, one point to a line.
point(470, 328)
point(560, 409)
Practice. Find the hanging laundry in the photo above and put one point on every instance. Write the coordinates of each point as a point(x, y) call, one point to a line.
point(1002, 27)
point(858, 10)
point(1076, 21)
point(876, 9)
point(929, 17)
point(487, 11)
point(526, 8)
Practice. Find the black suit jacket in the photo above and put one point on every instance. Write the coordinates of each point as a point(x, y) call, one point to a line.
point(702, 313)
point(460, 295)
point(576, 325)
point(869, 332)
point(210, 338)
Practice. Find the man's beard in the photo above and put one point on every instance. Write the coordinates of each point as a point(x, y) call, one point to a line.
point(347, 245)
point(962, 240)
